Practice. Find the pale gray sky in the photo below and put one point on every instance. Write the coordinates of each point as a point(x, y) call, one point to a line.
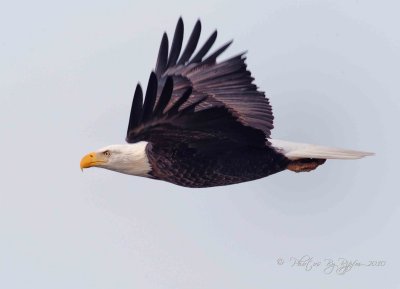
point(67, 75)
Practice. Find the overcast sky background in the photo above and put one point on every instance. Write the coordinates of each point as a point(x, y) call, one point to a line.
point(67, 75)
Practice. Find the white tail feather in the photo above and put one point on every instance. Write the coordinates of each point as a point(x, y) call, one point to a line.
point(295, 151)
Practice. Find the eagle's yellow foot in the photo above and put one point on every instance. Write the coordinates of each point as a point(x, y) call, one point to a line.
point(305, 165)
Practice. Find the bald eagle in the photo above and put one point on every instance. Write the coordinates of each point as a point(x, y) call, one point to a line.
point(203, 123)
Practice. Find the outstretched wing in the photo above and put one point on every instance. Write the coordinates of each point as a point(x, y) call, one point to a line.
point(166, 122)
point(228, 83)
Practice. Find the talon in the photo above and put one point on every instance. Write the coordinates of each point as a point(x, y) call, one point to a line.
point(305, 165)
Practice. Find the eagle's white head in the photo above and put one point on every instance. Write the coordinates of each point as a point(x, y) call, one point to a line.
point(128, 159)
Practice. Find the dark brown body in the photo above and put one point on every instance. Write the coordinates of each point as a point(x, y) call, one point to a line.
point(187, 167)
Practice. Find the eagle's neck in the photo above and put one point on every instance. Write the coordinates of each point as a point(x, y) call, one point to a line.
point(130, 159)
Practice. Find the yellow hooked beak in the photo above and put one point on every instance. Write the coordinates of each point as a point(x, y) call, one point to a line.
point(91, 160)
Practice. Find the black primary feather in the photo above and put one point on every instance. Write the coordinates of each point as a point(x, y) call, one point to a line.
point(206, 47)
point(176, 44)
point(192, 43)
point(150, 100)
point(136, 109)
point(162, 58)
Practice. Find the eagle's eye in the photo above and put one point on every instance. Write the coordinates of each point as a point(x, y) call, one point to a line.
point(107, 153)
